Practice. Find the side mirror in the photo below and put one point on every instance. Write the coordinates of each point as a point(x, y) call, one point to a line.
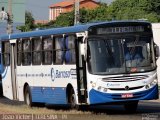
point(83, 50)
point(157, 53)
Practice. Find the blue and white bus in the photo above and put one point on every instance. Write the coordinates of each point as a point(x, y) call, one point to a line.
point(91, 64)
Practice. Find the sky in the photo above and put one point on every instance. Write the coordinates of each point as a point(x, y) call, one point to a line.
point(18, 9)
point(40, 8)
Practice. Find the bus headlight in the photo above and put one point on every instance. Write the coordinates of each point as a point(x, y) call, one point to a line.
point(102, 89)
point(147, 87)
point(93, 85)
point(154, 82)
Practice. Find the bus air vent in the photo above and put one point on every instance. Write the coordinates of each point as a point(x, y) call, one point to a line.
point(125, 78)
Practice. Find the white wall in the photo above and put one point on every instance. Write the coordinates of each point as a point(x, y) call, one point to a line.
point(156, 35)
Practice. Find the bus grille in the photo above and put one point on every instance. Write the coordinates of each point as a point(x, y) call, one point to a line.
point(125, 78)
point(131, 88)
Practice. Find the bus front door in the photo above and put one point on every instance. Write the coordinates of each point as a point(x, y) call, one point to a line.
point(81, 74)
point(13, 68)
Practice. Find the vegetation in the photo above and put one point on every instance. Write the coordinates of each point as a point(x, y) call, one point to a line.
point(29, 23)
point(118, 10)
point(135, 9)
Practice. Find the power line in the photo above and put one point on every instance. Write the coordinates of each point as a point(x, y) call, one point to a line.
point(13, 2)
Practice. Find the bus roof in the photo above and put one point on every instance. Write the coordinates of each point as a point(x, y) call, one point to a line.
point(3, 37)
point(62, 30)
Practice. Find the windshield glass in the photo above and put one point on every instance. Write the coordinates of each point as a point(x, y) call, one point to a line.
point(119, 55)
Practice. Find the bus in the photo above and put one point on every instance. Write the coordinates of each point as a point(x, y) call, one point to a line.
point(88, 64)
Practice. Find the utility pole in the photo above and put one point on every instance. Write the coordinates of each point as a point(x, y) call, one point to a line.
point(10, 18)
point(76, 14)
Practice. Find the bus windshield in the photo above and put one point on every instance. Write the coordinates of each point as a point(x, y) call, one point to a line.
point(120, 55)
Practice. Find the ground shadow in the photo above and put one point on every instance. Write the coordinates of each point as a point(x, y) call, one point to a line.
point(143, 107)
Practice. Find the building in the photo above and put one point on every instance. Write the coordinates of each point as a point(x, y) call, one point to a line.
point(41, 22)
point(67, 5)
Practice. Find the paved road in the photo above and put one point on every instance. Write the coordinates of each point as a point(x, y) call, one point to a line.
point(147, 110)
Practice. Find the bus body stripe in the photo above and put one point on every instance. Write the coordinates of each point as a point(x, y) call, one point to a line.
point(4, 73)
point(97, 97)
point(49, 95)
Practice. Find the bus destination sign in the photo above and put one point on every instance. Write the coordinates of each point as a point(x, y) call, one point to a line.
point(127, 29)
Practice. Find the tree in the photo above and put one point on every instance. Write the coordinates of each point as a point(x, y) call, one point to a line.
point(29, 20)
point(65, 19)
point(118, 10)
point(98, 14)
point(29, 23)
point(135, 9)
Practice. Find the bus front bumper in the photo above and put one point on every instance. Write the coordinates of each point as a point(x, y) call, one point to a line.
point(97, 97)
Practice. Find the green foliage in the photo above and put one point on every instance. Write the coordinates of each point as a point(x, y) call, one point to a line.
point(118, 10)
point(29, 23)
point(29, 19)
point(66, 19)
point(136, 9)
point(98, 14)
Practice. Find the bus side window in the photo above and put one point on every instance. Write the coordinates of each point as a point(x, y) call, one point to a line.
point(70, 57)
point(19, 52)
point(59, 50)
point(26, 52)
point(6, 53)
point(47, 50)
point(36, 51)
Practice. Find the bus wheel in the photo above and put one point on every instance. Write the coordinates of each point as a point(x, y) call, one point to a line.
point(131, 106)
point(72, 99)
point(27, 97)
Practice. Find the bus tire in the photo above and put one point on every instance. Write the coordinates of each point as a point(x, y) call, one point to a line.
point(131, 106)
point(72, 99)
point(28, 97)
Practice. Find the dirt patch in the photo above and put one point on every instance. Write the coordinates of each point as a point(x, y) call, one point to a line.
point(41, 112)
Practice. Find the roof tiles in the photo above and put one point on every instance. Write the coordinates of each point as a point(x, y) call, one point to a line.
point(66, 3)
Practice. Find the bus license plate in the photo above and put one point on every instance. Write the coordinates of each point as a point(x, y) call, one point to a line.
point(127, 95)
